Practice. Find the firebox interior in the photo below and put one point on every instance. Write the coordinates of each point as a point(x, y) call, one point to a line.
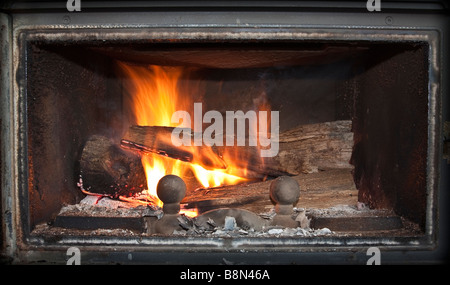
point(74, 91)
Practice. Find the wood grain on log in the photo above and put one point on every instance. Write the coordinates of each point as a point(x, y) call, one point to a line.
point(309, 148)
point(317, 190)
point(106, 168)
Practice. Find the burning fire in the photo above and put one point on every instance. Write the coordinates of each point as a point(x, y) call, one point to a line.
point(154, 97)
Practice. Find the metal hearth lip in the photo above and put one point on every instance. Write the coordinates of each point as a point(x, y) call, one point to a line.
point(237, 243)
point(14, 197)
point(161, 250)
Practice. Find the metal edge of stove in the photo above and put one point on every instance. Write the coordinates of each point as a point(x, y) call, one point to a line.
point(19, 245)
point(6, 136)
point(107, 5)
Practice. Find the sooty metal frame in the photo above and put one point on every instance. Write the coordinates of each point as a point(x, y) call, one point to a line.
point(294, 22)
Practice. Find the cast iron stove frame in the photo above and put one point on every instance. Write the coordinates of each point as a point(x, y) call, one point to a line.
point(209, 26)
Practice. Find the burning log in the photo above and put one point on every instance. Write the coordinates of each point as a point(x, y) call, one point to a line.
point(107, 169)
point(304, 149)
point(157, 139)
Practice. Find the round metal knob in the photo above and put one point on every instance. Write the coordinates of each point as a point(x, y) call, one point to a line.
point(285, 190)
point(171, 189)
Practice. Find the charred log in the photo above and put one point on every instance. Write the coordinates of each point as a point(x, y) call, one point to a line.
point(107, 169)
point(157, 139)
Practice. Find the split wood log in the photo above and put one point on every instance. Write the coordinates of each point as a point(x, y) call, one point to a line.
point(310, 148)
point(304, 149)
point(107, 169)
point(323, 189)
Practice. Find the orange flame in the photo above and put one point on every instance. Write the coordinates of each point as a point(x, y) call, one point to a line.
point(155, 96)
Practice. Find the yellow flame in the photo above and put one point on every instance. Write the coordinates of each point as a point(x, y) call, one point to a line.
point(154, 96)
point(215, 178)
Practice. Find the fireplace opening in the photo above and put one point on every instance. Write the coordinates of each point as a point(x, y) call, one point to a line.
point(352, 121)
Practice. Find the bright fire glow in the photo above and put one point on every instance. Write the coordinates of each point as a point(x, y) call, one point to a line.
point(154, 96)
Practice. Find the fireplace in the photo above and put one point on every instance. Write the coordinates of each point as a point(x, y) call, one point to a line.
point(350, 113)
